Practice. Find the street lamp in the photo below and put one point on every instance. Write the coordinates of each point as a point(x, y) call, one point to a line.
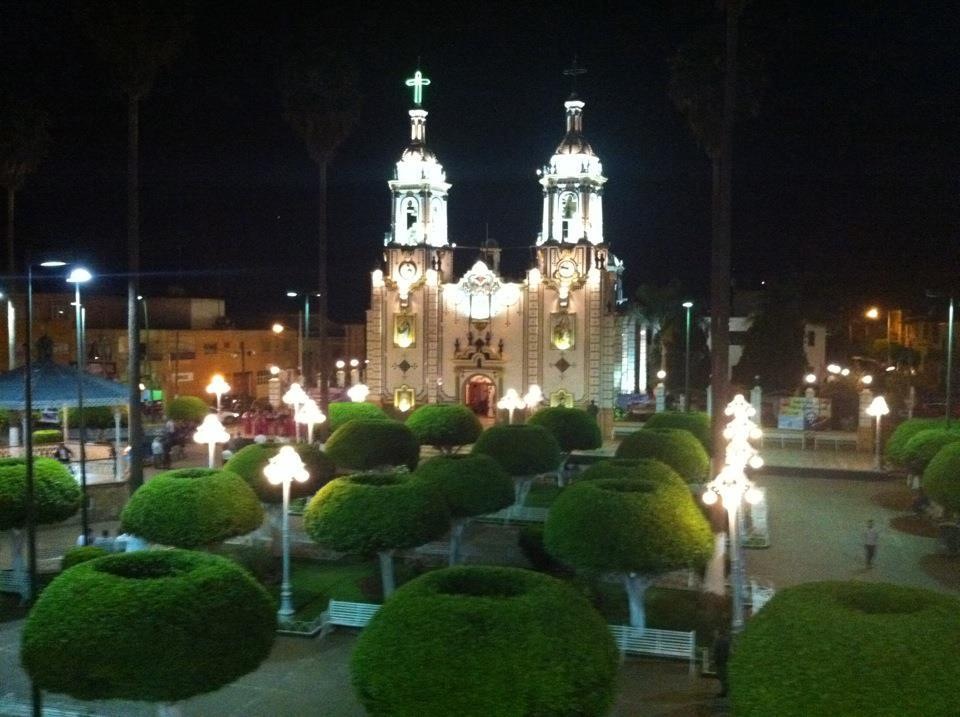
point(533, 397)
point(949, 357)
point(295, 397)
point(688, 305)
point(866, 379)
point(218, 387)
point(510, 402)
point(732, 485)
point(211, 432)
point(878, 408)
point(311, 415)
point(78, 276)
point(282, 469)
point(810, 378)
point(277, 328)
point(358, 392)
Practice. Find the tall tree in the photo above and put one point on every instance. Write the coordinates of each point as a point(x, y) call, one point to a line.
point(321, 101)
point(773, 345)
point(24, 142)
point(659, 309)
point(136, 39)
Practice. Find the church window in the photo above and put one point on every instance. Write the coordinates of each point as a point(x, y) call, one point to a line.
point(411, 211)
point(568, 210)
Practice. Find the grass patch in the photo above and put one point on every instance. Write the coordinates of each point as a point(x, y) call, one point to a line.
point(315, 584)
point(542, 496)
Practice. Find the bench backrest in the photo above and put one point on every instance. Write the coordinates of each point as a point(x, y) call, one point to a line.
point(351, 614)
point(667, 643)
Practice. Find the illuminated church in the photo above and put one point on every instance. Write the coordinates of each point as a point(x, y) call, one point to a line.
point(434, 336)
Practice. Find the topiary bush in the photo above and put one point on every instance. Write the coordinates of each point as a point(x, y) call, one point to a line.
point(99, 417)
point(522, 450)
point(75, 556)
point(485, 641)
point(844, 648)
point(941, 479)
point(56, 492)
point(46, 436)
point(895, 451)
point(446, 426)
point(187, 408)
point(697, 422)
point(643, 468)
point(676, 447)
point(367, 444)
point(192, 507)
point(342, 411)
point(574, 428)
point(924, 445)
point(249, 462)
point(155, 625)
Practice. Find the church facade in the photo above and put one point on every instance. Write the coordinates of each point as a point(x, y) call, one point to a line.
point(433, 336)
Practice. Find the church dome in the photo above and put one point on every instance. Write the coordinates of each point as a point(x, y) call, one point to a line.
point(418, 152)
point(574, 142)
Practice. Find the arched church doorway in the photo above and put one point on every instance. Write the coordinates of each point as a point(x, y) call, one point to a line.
point(480, 394)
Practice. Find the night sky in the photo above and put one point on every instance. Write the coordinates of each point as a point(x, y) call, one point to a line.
point(846, 179)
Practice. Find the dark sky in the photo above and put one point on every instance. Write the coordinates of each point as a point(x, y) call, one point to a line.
point(847, 178)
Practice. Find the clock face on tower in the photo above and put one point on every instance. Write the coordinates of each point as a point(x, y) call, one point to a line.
point(566, 269)
point(407, 271)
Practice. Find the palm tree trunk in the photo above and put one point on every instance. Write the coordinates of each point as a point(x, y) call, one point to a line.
point(135, 424)
point(324, 352)
point(636, 587)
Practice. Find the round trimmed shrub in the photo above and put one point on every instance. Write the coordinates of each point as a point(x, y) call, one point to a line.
point(249, 462)
point(941, 479)
point(342, 411)
point(444, 425)
point(154, 625)
point(642, 468)
point(470, 485)
point(46, 436)
point(192, 507)
point(849, 648)
point(366, 444)
point(187, 408)
point(676, 447)
point(697, 422)
point(925, 444)
point(99, 417)
point(56, 492)
point(75, 556)
point(521, 450)
point(897, 443)
point(574, 428)
point(486, 641)
point(374, 512)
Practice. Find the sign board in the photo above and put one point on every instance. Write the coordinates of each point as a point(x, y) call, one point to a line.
point(49, 415)
point(800, 413)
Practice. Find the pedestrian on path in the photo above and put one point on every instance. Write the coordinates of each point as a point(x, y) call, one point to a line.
point(870, 539)
point(63, 454)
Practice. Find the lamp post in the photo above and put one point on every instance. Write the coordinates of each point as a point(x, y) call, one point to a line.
point(218, 387)
point(295, 397)
point(310, 415)
point(76, 277)
point(878, 408)
point(732, 485)
point(211, 432)
point(511, 402)
point(283, 468)
point(11, 331)
point(533, 397)
point(358, 392)
point(949, 376)
point(688, 305)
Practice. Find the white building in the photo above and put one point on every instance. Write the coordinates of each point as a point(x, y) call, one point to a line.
point(433, 336)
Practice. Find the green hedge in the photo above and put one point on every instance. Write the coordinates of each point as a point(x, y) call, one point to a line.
point(574, 428)
point(75, 556)
point(55, 490)
point(628, 525)
point(895, 451)
point(522, 450)
point(925, 444)
point(444, 426)
point(697, 422)
point(849, 648)
point(676, 447)
point(373, 512)
point(486, 641)
point(46, 436)
point(154, 625)
point(643, 468)
point(342, 411)
point(192, 507)
point(249, 462)
point(187, 408)
point(100, 417)
point(470, 485)
point(941, 479)
point(367, 444)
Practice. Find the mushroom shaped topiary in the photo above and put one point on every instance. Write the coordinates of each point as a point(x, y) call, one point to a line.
point(376, 513)
point(697, 422)
point(343, 411)
point(192, 507)
point(155, 625)
point(471, 485)
point(524, 451)
point(897, 442)
point(249, 462)
point(187, 408)
point(445, 426)
point(843, 648)
point(486, 641)
point(369, 444)
point(82, 554)
point(924, 445)
point(941, 479)
point(644, 468)
point(574, 428)
point(676, 447)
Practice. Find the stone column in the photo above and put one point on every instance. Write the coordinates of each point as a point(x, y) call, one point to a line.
point(865, 422)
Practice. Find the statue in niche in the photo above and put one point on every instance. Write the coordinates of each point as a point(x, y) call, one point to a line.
point(562, 331)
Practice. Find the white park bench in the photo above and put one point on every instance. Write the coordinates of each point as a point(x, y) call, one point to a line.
point(660, 643)
point(348, 614)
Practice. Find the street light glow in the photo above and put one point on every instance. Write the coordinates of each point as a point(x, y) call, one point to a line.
point(79, 275)
point(358, 392)
point(52, 263)
point(866, 379)
point(277, 328)
point(810, 378)
point(872, 313)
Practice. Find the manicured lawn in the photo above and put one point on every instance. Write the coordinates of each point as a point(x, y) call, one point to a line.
point(315, 584)
point(542, 495)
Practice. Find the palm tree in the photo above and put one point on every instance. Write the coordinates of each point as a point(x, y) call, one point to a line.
point(658, 308)
point(321, 102)
point(136, 39)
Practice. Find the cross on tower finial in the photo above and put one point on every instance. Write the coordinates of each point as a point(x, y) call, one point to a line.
point(573, 72)
point(418, 82)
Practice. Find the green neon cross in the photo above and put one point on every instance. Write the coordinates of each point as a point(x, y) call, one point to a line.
point(418, 82)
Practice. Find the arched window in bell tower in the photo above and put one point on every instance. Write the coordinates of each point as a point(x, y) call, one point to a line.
point(568, 212)
point(411, 212)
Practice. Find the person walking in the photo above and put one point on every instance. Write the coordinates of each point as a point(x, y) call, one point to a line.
point(870, 539)
point(63, 454)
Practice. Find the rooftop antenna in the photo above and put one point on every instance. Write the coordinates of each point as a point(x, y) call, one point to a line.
point(573, 72)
